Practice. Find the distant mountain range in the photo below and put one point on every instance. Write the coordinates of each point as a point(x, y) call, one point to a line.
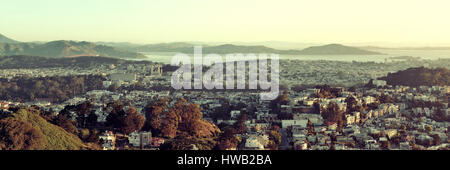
point(62, 48)
point(404, 48)
point(331, 49)
point(4, 39)
point(336, 49)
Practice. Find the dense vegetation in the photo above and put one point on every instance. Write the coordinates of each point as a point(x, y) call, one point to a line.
point(26, 129)
point(17, 135)
point(419, 77)
point(182, 118)
point(76, 126)
point(124, 121)
point(33, 62)
point(326, 91)
point(51, 88)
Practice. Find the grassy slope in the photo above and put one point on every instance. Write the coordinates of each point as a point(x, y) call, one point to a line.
point(55, 137)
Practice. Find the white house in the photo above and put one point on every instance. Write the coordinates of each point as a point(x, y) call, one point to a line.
point(138, 139)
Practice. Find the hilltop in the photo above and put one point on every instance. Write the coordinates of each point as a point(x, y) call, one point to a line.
point(419, 77)
point(331, 49)
point(63, 48)
point(4, 39)
point(58, 49)
point(44, 135)
point(336, 49)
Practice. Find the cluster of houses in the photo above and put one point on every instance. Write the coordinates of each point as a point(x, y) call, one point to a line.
point(141, 140)
point(398, 125)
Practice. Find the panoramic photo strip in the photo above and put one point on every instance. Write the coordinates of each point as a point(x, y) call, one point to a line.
point(205, 83)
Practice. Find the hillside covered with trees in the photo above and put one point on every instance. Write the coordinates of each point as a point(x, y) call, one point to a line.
point(32, 62)
point(419, 77)
point(25, 129)
point(55, 89)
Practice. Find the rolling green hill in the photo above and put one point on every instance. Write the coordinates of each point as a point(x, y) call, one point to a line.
point(54, 137)
point(57, 49)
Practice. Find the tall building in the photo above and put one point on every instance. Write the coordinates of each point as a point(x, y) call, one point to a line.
point(156, 70)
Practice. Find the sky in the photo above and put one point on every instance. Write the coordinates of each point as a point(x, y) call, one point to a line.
point(372, 22)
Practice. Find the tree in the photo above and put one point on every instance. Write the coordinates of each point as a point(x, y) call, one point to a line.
point(383, 98)
point(227, 140)
point(182, 142)
point(183, 118)
point(239, 126)
point(89, 136)
point(83, 110)
point(19, 135)
point(332, 113)
point(113, 87)
point(440, 116)
point(154, 114)
point(91, 120)
point(65, 123)
point(189, 114)
point(124, 121)
point(116, 116)
point(436, 139)
point(222, 112)
point(84, 134)
point(351, 104)
point(132, 121)
point(274, 139)
point(57, 88)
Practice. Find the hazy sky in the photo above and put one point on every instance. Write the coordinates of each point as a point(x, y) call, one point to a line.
point(424, 22)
